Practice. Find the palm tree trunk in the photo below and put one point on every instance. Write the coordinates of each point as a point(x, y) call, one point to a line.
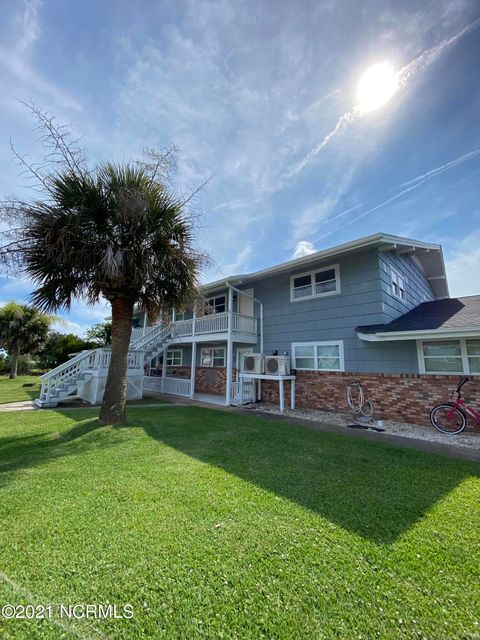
point(113, 409)
point(14, 364)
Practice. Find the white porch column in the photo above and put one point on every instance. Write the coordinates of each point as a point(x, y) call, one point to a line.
point(228, 390)
point(164, 367)
point(194, 357)
point(192, 369)
point(144, 322)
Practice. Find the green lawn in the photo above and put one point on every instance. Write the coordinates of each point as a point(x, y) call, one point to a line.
point(14, 391)
point(215, 525)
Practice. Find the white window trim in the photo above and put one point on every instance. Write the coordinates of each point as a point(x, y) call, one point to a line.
point(312, 273)
point(402, 279)
point(170, 351)
point(322, 343)
point(465, 361)
point(212, 308)
point(213, 366)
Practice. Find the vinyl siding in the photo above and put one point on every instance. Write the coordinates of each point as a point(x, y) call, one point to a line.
point(418, 289)
point(365, 298)
point(331, 317)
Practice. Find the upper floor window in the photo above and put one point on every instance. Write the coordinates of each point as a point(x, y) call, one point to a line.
point(398, 285)
point(314, 284)
point(318, 356)
point(450, 356)
point(216, 304)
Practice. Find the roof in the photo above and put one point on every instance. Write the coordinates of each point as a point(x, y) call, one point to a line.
point(453, 315)
point(428, 255)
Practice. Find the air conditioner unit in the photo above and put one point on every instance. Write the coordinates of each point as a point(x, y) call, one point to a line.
point(253, 363)
point(277, 365)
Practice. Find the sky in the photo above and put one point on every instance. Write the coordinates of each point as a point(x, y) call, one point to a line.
point(262, 99)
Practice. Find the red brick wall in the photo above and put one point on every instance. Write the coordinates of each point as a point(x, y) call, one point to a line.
point(402, 397)
point(210, 380)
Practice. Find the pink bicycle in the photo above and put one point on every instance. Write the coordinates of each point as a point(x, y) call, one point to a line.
point(451, 417)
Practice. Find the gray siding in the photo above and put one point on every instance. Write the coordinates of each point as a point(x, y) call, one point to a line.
point(418, 288)
point(332, 317)
point(365, 298)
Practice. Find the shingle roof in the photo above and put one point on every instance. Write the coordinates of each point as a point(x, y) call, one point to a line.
point(452, 313)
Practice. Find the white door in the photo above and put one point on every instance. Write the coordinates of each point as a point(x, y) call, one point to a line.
point(240, 352)
point(245, 305)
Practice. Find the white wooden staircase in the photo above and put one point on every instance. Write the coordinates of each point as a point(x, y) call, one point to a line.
point(85, 374)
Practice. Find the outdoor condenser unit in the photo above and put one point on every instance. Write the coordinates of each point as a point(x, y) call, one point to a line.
point(277, 365)
point(253, 363)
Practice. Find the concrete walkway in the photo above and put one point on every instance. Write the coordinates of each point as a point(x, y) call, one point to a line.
point(24, 405)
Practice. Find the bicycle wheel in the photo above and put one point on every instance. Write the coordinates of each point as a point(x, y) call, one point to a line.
point(448, 419)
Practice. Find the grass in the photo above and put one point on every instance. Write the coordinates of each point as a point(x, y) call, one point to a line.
point(216, 525)
point(14, 391)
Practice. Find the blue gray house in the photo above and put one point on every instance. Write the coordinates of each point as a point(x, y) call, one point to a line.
point(376, 309)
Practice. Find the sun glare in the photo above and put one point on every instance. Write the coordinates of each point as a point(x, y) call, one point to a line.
point(376, 87)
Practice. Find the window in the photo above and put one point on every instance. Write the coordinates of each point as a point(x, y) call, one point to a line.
point(398, 285)
point(174, 358)
point(473, 355)
point(314, 284)
point(449, 356)
point(212, 357)
point(318, 356)
point(215, 305)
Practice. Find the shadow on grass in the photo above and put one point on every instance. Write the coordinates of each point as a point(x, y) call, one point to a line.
point(25, 452)
point(374, 490)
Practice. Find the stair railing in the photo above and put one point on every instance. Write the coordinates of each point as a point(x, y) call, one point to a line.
point(158, 334)
point(68, 371)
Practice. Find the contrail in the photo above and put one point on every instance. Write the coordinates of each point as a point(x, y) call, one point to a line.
point(341, 125)
point(411, 185)
point(429, 56)
point(405, 74)
point(441, 169)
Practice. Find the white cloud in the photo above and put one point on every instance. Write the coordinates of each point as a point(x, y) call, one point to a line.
point(240, 263)
point(17, 59)
point(303, 248)
point(463, 268)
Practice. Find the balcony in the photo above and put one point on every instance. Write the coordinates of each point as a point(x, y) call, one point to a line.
point(212, 327)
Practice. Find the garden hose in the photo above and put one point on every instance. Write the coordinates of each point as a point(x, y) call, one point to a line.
point(356, 400)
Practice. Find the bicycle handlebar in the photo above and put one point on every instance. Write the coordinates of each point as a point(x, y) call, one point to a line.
point(461, 383)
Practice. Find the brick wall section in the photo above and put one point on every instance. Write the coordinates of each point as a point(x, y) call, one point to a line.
point(210, 380)
point(401, 397)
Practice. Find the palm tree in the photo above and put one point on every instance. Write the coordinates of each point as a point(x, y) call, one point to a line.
point(23, 330)
point(114, 232)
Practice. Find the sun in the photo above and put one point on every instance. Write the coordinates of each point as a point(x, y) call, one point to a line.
point(376, 87)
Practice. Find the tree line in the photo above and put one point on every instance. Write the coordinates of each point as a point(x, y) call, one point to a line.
point(30, 344)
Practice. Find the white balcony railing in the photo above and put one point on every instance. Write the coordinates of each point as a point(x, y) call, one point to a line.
point(172, 386)
point(216, 323)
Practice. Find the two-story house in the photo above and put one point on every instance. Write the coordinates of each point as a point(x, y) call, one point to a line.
point(376, 310)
